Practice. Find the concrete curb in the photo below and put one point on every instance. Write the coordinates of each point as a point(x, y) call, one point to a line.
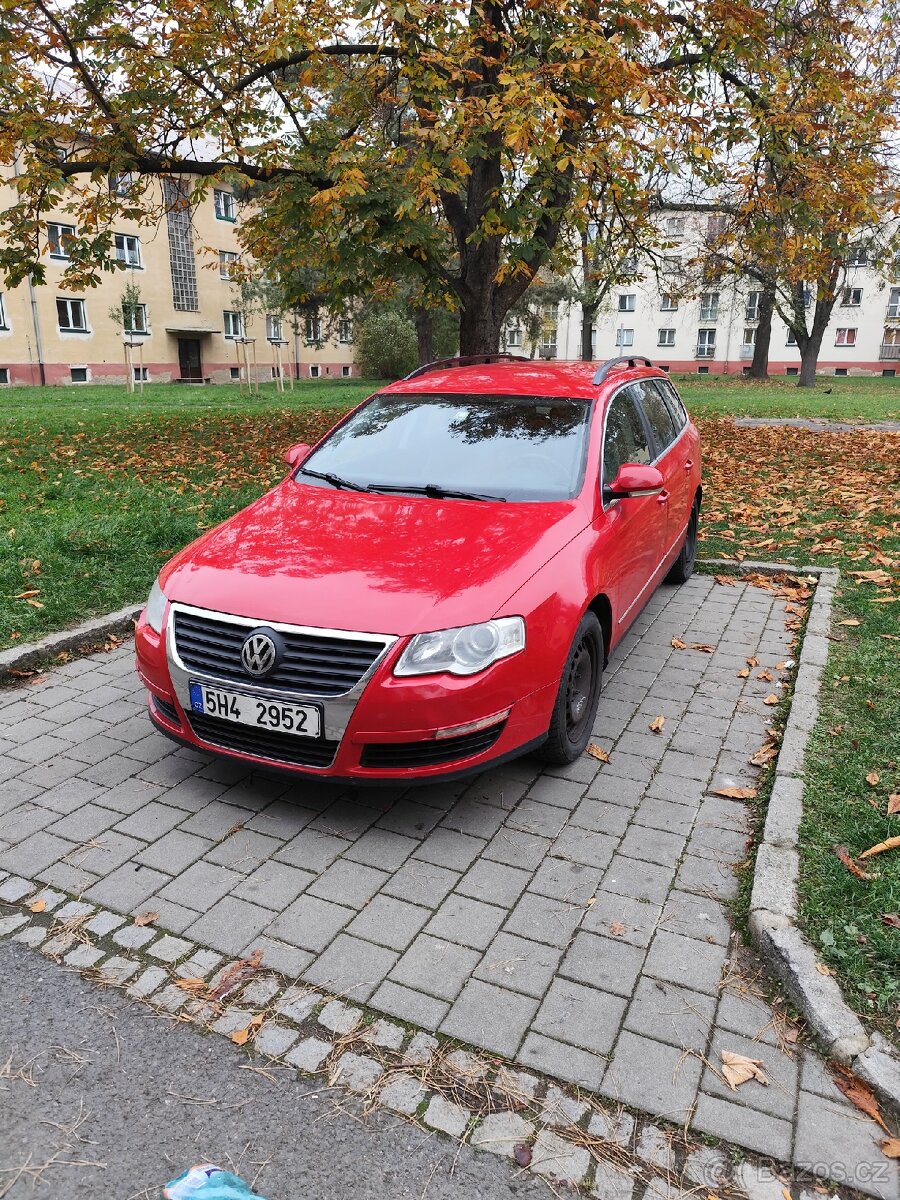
point(773, 902)
point(87, 635)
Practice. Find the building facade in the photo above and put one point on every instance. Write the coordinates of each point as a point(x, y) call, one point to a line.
point(187, 323)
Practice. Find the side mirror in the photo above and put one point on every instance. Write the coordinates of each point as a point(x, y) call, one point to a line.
point(296, 454)
point(632, 480)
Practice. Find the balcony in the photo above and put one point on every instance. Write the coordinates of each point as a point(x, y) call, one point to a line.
point(746, 351)
point(889, 351)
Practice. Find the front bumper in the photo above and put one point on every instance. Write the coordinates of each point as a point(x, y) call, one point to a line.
point(381, 731)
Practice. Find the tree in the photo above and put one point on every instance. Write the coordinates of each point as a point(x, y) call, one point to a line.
point(386, 343)
point(124, 316)
point(454, 136)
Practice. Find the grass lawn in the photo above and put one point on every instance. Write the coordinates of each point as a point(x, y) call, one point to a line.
point(98, 488)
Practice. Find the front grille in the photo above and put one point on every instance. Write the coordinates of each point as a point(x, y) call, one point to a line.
point(168, 710)
point(264, 743)
point(312, 665)
point(431, 753)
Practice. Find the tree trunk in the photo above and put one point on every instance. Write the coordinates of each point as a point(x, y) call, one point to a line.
point(759, 368)
point(479, 330)
point(424, 320)
point(809, 358)
point(588, 313)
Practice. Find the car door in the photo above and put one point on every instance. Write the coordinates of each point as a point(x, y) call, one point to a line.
point(668, 458)
point(635, 528)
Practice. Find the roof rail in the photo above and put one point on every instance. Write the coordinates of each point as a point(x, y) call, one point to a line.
point(632, 359)
point(468, 361)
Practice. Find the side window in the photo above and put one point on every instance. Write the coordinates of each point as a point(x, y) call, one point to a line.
point(658, 416)
point(673, 402)
point(625, 439)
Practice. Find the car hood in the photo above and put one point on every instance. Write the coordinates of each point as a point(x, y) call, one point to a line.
point(372, 564)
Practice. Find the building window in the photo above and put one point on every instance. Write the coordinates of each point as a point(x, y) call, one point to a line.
point(141, 374)
point(234, 324)
point(4, 374)
point(547, 344)
point(234, 372)
point(671, 265)
point(60, 237)
point(665, 337)
point(273, 329)
point(749, 335)
point(627, 302)
point(792, 370)
point(858, 257)
point(224, 205)
point(675, 227)
point(514, 335)
point(182, 261)
point(703, 370)
point(668, 303)
point(624, 337)
point(128, 249)
point(715, 225)
point(840, 370)
point(3, 324)
point(227, 258)
point(346, 372)
point(628, 265)
point(845, 337)
point(314, 371)
point(313, 329)
point(751, 312)
point(706, 343)
point(134, 318)
point(851, 298)
point(345, 331)
point(78, 374)
point(893, 308)
point(120, 185)
point(709, 306)
point(71, 316)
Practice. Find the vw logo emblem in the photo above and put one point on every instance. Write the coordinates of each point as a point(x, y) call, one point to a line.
point(259, 654)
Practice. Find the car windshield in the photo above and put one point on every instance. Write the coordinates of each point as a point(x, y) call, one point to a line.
point(524, 448)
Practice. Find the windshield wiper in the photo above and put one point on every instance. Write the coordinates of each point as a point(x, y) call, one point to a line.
point(335, 480)
point(433, 490)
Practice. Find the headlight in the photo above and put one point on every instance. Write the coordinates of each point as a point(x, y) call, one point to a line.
point(462, 651)
point(155, 607)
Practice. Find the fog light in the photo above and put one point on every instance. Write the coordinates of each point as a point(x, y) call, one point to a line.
point(473, 726)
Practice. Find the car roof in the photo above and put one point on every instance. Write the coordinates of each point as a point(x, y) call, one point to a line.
point(526, 377)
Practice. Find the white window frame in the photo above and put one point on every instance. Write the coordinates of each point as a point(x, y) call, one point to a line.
point(628, 302)
point(274, 328)
point(3, 322)
point(313, 330)
point(226, 258)
point(845, 336)
point(71, 309)
point(791, 338)
point(514, 335)
point(674, 227)
point(224, 205)
point(625, 337)
point(143, 325)
point(547, 346)
point(63, 233)
point(749, 335)
point(857, 256)
point(847, 297)
point(706, 343)
point(233, 324)
point(709, 306)
point(668, 339)
point(346, 372)
point(315, 371)
point(751, 306)
point(345, 331)
point(129, 251)
point(87, 374)
point(893, 308)
point(4, 376)
point(141, 374)
point(668, 302)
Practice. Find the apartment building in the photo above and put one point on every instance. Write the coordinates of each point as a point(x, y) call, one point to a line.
point(188, 323)
point(710, 327)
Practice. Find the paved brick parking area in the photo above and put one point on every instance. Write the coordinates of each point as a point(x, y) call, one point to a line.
point(573, 920)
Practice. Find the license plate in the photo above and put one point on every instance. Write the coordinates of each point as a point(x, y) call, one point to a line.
point(305, 720)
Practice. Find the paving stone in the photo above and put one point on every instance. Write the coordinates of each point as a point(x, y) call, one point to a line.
point(103, 923)
point(655, 1078)
point(27, 819)
point(297, 1003)
point(758, 1181)
point(409, 1005)
point(389, 922)
point(170, 949)
point(309, 1055)
point(447, 1117)
point(571, 882)
point(35, 853)
point(132, 937)
point(200, 885)
point(696, 916)
point(709, 877)
point(582, 846)
point(309, 923)
point(130, 795)
point(410, 819)
point(83, 956)
point(32, 935)
point(530, 816)
point(260, 991)
point(174, 851)
point(402, 1094)
point(214, 821)
point(601, 817)
point(421, 1049)
point(501, 1132)
point(615, 1126)
point(542, 919)
point(351, 967)
point(685, 961)
point(489, 1017)
point(639, 880)
point(519, 965)
point(447, 848)
point(582, 1016)
point(14, 889)
point(434, 966)
point(421, 883)
point(147, 982)
point(652, 845)
point(229, 925)
point(562, 792)
point(516, 1087)
point(382, 849)
point(733, 1122)
point(477, 820)
point(707, 1167)
point(517, 849)
point(233, 1019)
point(610, 1183)
point(11, 923)
point(832, 1142)
point(561, 1110)
point(671, 1014)
point(385, 1034)
point(274, 1040)
point(465, 921)
point(555, 1158)
point(126, 887)
point(494, 883)
point(654, 1146)
point(357, 1072)
point(118, 970)
point(273, 885)
point(603, 963)
point(50, 899)
point(348, 883)
point(244, 851)
point(74, 910)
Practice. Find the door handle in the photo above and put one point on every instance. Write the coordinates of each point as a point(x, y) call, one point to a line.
point(662, 498)
point(689, 464)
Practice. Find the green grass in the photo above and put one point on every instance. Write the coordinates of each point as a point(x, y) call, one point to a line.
point(854, 399)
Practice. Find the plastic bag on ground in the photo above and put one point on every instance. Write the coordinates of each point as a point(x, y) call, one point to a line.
point(208, 1182)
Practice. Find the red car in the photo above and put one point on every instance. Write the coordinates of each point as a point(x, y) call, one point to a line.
point(438, 584)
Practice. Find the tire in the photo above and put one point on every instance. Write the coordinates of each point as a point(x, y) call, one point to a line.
point(579, 694)
point(683, 566)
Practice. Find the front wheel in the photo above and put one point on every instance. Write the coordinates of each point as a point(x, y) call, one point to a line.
point(578, 696)
point(683, 566)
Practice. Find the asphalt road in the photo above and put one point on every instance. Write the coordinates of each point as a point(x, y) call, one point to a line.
point(118, 1101)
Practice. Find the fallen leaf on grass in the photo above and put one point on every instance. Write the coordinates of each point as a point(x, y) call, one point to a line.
point(616, 928)
point(891, 843)
point(34, 603)
point(597, 752)
point(892, 920)
point(735, 793)
point(859, 1094)
point(38, 906)
point(657, 724)
point(852, 621)
point(823, 970)
point(874, 600)
point(894, 805)
point(873, 779)
point(738, 1069)
point(146, 918)
point(25, 595)
point(890, 1147)
point(853, 867)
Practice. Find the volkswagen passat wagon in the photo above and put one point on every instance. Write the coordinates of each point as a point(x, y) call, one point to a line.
point(437, 585)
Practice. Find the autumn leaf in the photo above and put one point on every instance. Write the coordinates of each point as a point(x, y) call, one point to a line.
point(744, 674)
point(38, 906)
point(146, 918)
point(616, 928)
point(678, 644)
point(890, 1147)
point(873, 779)
point(825, 970)
point(25, 595)
point(851, 621)
point(34, 603)
point(598, 752)
point(859, 1094)
point(771, 699)
point(891, 843)
point(854, 868)
point(892, 920)
point(894, 804)
point(765, 675)
point(736, 793)
point(657, 724)
point(763, 755)
point(240, 1037)
point(738, 1069)
point(236, 974)
point(191, 984)
point(752, 661)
